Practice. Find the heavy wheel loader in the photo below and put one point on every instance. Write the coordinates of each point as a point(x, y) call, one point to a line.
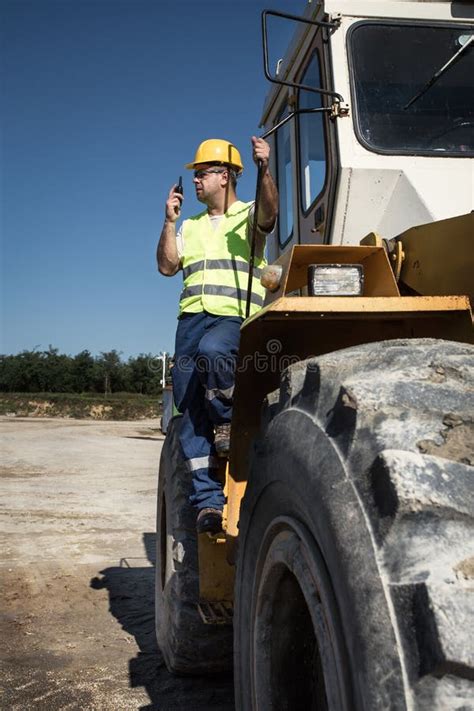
point(343, 579)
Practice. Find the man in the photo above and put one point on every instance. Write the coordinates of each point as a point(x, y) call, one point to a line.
point(213, 250)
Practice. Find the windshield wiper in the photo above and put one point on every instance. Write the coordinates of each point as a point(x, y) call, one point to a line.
point(440, 72)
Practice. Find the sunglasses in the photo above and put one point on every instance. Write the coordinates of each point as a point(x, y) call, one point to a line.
point(200, 174)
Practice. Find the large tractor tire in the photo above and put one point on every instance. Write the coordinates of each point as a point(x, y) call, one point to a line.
point(188, 645)
point(353, 568)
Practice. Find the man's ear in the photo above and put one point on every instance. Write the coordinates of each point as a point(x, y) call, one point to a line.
point(225, 177)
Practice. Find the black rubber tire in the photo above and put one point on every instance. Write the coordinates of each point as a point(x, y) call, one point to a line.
point(188, 645)
point(353, 564)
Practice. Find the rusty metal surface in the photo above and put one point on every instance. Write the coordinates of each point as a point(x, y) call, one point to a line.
point(439, 257)
point(216, 613)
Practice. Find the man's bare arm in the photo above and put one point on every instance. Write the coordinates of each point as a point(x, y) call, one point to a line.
point(268, 207)
point(167, 255)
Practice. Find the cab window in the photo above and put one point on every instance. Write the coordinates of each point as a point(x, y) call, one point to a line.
point(416, 107)
point(312, 149)
point(285, 181)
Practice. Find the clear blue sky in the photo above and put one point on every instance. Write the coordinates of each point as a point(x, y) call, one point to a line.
point(103, 102)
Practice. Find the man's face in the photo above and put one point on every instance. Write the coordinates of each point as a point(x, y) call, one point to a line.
point(208, 180)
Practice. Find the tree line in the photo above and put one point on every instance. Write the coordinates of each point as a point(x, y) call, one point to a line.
point(50, 371)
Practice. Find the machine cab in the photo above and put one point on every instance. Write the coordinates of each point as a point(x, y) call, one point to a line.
point(392, 142)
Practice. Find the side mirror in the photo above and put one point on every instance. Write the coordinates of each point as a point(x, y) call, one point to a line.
point(277, 77)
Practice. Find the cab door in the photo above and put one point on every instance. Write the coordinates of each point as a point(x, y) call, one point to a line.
point(285, 174)
point(316, 149)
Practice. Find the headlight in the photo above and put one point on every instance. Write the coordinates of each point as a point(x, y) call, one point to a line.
point(335, 279)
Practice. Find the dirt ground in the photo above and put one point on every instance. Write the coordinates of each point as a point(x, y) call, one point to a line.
point(77, 578)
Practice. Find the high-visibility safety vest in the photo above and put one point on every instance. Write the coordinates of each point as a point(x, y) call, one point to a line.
point(216, 265)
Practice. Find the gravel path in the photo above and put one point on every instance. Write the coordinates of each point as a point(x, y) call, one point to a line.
point(77, 539)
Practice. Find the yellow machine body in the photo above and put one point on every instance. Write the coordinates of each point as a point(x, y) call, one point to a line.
point(292, 328)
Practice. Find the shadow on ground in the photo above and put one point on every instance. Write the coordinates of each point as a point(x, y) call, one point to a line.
point(131, 586)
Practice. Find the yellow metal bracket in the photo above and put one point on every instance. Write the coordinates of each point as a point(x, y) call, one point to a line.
point(373, 239)
point(216, 575)
point(393, 248)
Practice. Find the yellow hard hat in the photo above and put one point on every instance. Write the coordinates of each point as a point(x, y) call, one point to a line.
point(215, 150)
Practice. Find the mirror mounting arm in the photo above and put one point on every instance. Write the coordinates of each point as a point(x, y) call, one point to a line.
point(323, 109)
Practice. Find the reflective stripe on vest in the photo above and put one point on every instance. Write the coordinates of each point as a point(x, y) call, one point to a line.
point(236, 264)
point(215, 265)
point(215, 290)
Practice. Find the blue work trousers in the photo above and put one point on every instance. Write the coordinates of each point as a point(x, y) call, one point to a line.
point(203, 383)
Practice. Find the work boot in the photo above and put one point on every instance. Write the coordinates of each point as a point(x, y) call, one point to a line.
point(222, 439)
point(209, 521)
